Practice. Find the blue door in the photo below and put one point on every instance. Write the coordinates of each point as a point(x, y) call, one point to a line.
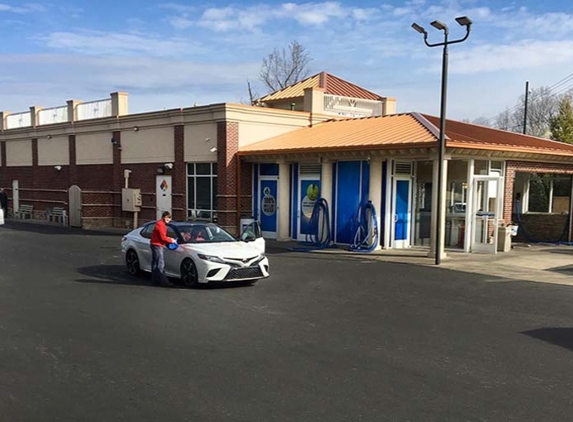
point(348, 198)
point(402, 214)
point(268, 207)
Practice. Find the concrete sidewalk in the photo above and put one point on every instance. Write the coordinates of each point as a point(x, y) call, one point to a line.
point(543, 263)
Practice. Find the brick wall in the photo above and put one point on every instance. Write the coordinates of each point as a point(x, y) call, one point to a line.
point(101, 184)
point(542, 228)
point(539, 226)
point(227, 147)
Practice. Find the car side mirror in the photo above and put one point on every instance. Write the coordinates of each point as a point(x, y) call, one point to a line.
point(248, 237)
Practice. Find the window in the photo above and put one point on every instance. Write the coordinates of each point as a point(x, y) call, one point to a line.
point(147, 230)
point(201, 191)
point(549, 193)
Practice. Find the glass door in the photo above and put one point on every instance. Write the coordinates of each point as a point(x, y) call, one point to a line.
point(486, 213)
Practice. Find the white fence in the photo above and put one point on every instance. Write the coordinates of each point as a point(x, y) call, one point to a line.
point(93, 109)
point(84, 111)
point(52, 115)
point(17, 120)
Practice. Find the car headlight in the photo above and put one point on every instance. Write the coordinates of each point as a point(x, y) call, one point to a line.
point(211, 258)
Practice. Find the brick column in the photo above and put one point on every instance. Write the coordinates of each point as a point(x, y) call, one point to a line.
point(3, 180)
point(117, 176)
point(508, 193)
point(34, 163)
point(227, 147)
point(73, 173)
point(179, 201)
point(3, 152)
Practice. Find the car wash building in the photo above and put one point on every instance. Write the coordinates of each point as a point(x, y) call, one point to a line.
point(322, 143)
point(495, 182)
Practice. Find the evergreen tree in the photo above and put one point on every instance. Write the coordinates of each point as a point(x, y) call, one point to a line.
point(561, 125)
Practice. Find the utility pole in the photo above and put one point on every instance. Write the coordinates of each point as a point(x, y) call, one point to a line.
point(525, 110)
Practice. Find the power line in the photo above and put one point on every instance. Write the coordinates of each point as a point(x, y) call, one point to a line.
point(511, 110)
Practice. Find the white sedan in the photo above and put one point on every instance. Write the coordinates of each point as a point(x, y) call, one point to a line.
point(205, 252)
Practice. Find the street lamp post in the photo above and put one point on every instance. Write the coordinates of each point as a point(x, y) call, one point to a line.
point(464, 21)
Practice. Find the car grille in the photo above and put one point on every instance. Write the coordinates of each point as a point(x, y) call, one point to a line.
point(244, 273)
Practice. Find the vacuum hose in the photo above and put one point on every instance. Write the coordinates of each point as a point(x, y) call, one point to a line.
point(366, 235)
point(319, 225)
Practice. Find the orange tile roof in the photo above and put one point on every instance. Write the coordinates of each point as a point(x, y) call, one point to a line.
point(340, 135)
point(401, 131)
point(331, 84)
point(466, 135)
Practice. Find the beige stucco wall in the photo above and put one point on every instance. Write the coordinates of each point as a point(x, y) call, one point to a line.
point(94, 148)
point(53, 151)
point(18, 153)
point(199, 139)
point(147, 145)
point(250, 132)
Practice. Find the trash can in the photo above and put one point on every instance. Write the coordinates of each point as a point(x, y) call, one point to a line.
point(504, 239)
point(245, 221)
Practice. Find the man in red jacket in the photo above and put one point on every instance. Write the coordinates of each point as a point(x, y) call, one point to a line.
point(159, 239)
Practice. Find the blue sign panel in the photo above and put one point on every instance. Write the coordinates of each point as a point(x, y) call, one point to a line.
point(268, 206)
point(401, 226)
point(309, 193)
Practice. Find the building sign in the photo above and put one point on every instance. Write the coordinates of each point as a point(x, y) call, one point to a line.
point(268, 203)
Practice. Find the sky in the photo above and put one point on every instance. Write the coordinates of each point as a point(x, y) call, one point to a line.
point(175, 54)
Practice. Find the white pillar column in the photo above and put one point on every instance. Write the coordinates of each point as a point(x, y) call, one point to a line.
point(388, 214)
point(375, 192)
point(434, 216)
point(283, 201)
point(326, 182)
point(470, 212)
point(443, 208)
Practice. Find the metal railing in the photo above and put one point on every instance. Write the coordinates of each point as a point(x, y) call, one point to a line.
point(52, 115)
point(18, 120)
point(93, 109)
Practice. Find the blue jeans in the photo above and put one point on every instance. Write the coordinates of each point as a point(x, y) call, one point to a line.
point(158, 266)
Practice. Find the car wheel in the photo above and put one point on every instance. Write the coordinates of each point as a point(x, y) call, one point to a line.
point(132, 263)
point(189, 273)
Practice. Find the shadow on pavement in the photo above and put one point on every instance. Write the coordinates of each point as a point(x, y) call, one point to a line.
point(113, 274)
point(55, 229)
point(558, 336)
point(565, 270)
point(117, 274)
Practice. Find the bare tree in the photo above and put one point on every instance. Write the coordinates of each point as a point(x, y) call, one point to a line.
point(253, 95)
point(541, 105)
point(283, 68)
point(504, 120)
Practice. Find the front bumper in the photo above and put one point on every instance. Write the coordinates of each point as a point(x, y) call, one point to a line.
point(230, 273)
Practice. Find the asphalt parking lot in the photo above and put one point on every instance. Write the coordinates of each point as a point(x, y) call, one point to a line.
point(330, 336)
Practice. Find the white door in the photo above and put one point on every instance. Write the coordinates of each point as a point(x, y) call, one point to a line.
point(75, 201)
point(486, 212)
point(162, 194)
point(15, 197)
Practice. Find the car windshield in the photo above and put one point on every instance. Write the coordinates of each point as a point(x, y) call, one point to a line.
point(203, 233)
